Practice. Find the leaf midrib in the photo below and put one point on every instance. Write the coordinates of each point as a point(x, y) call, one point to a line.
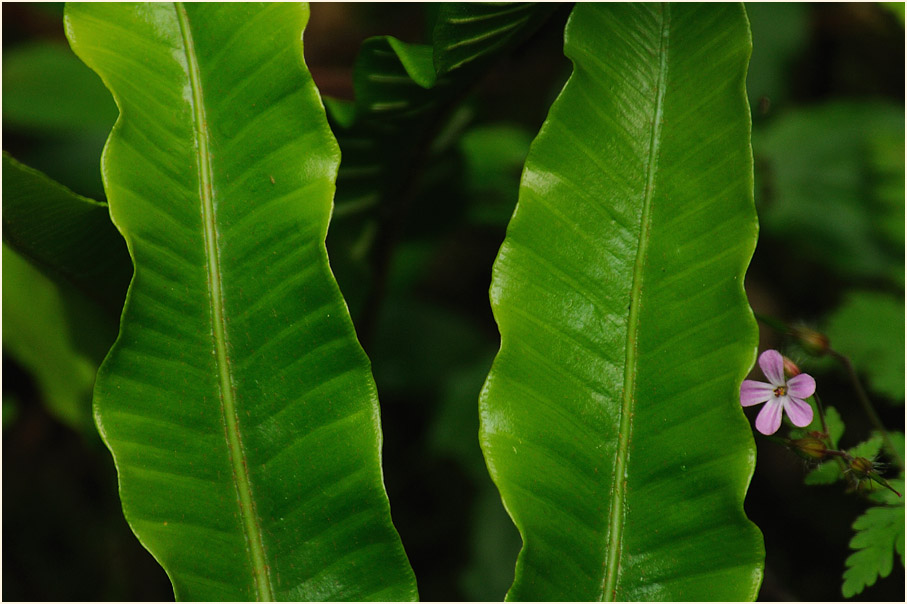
point(242, 483)
point(628, 399)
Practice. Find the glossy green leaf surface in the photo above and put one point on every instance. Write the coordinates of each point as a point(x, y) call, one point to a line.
point(237, 403)
point(611, 420)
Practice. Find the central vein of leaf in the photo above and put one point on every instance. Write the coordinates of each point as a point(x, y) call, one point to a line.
point(619, 487)
point(219, 331)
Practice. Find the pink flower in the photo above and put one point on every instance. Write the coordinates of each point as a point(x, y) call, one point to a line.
point(778, 394)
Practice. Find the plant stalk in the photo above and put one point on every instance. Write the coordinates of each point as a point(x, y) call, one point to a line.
point(821, 409)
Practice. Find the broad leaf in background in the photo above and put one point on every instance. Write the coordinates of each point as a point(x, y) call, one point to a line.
point(239, 408)
point(610, 420)
point(47, 88)
point(869, 328)
point(60, 324)
point(39, 335)
point(885, 156)
point(56, 113)
point(70, 237)
point(825, 198)
point(494, 157)
point(778, 29)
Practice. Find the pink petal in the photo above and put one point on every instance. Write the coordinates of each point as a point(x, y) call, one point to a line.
point(769, 419)
point(754, 393)
point(801, 386)
point(799, 412)
point(772, 365)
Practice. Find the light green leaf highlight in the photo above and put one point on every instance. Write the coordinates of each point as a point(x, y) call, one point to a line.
point(611, 420)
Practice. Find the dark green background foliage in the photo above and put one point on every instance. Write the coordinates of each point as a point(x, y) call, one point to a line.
point(826, 87)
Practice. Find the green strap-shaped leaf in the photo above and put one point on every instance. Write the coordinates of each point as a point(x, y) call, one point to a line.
point(239, 408)
point(611, 420)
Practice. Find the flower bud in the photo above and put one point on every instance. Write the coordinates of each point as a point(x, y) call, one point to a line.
point(812, 341)
point(790, 368)
point(809, 448)
point(861, 467)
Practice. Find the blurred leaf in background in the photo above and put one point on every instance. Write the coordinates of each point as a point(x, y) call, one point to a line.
point(71, 238)
point(66, 270)
point(869, 328)
point(433, 334)
point(37, 333)
point(494, 156)
point(397, 135)
point(816, 191)
point(39, 79)
point(776, 48)
point(897, 8)
point(56, 111)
